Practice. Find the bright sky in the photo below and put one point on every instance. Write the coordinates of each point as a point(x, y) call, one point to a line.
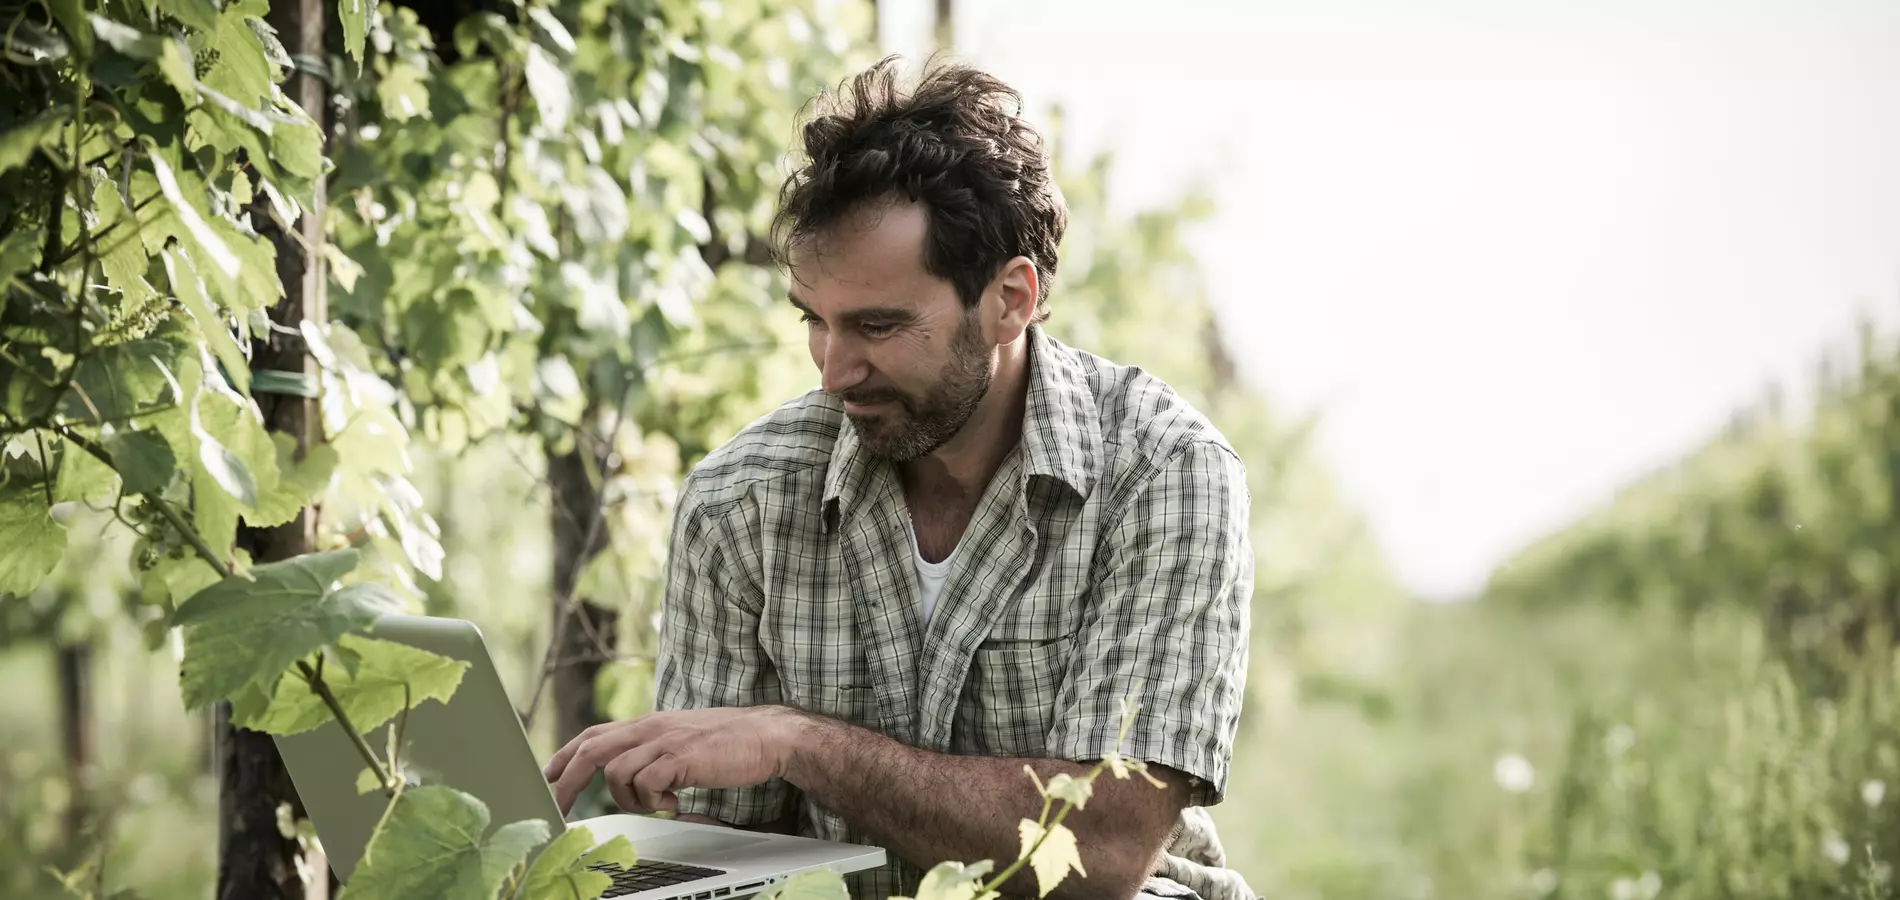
point(1518, 252)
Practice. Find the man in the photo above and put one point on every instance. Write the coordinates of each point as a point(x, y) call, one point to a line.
point(888, 596)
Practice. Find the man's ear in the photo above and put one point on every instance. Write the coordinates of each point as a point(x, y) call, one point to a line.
point(1014, 291)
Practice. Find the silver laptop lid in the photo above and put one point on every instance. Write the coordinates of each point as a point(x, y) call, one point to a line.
point(474, 743)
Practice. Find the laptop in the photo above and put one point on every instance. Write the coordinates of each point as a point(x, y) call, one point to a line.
point(475, 743)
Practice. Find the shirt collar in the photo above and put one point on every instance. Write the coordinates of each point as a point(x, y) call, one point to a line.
point(1061, 438)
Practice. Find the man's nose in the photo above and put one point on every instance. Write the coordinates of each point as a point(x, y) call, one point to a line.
point(841, 364)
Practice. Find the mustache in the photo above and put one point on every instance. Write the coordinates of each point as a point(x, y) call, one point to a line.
point(866, 397)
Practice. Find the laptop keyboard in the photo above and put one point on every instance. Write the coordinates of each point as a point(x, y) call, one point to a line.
point(648, 874)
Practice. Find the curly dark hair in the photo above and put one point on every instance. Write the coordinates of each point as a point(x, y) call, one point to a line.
point(956, 142)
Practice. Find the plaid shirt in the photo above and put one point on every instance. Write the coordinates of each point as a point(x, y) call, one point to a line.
point(1110, 550)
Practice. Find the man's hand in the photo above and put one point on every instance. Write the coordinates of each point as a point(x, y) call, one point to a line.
point(647, 759)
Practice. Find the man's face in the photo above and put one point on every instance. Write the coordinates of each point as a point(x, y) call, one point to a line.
point(892, 341)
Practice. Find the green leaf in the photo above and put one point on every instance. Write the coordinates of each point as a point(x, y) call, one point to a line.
point(617, 852)
point(33, 541)
point(225, 467)
point(175, 65)
point(1054, 858)
point(124, 261)
point(243, 69)
point(124, 38)
point(257, 286)
point(552, 27)
point(447, 332)
point(191, 215)
point(191, 291)
point(560, 871)
point(144, 460)
point(31, 44)
point(298, 148)
point(214, 511)
point(355, 15)
point(199, 14)
point(178, 579)
point(81, 476)
point(954, 881)
point(242, 631)
point(72, 19)
point(1073, 790)
point(548, 85)
point(300, 482)
point(402, 93)
point(817, 884)
point(486, 29)
point(254, 118)
point(366, 781)
point(435, 844)
point(241, 189)
point(19, 252)
point(370, 696)
point(18, 143)
point(274, 52)
point(121, 380)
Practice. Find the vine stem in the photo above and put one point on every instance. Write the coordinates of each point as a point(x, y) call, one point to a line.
point(311, 676)
point(1047, 827)
point(322, 689)
point(1043, 823)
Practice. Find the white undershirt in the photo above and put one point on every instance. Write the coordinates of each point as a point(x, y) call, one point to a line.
point(930, 575)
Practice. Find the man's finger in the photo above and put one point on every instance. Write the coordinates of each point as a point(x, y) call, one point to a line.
point(654, 784)
point(620, 774)
point(558, 763)
point(623, 795)
point(588, 757)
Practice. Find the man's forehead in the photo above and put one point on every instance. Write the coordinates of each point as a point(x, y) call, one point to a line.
point(881, 245)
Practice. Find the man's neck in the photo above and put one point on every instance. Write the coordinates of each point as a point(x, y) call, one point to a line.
point(960, 470)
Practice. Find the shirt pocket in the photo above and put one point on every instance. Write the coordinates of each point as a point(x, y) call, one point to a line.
point(1008, 702)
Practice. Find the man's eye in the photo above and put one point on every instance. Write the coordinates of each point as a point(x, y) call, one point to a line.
point(809, 319)
point(877, 329)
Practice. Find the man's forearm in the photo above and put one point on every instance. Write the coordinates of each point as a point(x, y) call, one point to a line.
point(930, 807)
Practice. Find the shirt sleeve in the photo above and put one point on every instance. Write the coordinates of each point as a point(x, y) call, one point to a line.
point(710, 655)
point(1166, 625)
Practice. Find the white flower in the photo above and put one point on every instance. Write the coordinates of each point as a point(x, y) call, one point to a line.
point(1648, 886)
point(1835, 849)
point(1543, 881)
point(1623, 889)
point(1513, 773)
point(1872, 792)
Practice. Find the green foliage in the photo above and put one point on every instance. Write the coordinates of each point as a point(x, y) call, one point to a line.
point(142, 458)
point(382, 680)
point(562, 870)
point(1791, 518)
point(954, 881)
point(435, 843)
point(817, 885)
point(33, 540)
point(1051, 851)
point(247, 630)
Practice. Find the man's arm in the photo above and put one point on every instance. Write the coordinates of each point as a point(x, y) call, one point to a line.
point(709, 653)
point(925, 807)
point(930, 807)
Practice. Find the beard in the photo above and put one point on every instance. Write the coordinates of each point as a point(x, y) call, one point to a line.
point(916, 426)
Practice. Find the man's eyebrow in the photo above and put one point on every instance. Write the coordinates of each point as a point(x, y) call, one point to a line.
point(892, 314)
